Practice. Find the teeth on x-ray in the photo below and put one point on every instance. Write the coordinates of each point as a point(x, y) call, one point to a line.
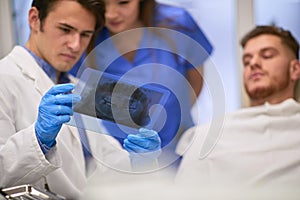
point(124, 103)
point(107, 97)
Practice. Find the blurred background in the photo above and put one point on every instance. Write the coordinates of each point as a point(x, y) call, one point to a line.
point(224, 22)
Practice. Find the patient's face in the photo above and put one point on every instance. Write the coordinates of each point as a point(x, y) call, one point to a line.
point(266, 68)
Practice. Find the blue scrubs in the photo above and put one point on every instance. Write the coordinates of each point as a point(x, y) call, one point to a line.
point(163, 60)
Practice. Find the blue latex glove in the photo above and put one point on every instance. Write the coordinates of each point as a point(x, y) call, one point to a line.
point(145, 144)
point(54, 110)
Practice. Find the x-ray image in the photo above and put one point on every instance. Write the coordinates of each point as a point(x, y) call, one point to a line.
point(107, 98)
point(125, 104)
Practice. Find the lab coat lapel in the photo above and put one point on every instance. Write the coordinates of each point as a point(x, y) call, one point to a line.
point(31, 69)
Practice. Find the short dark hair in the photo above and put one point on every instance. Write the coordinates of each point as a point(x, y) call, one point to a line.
point(286, 37)
point(97, 7)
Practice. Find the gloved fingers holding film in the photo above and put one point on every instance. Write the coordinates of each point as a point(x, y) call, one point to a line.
point(146, 143)
point(55, 109)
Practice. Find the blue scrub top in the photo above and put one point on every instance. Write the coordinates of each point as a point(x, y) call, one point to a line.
point(160, 60)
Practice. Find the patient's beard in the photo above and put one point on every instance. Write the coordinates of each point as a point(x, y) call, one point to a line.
point(261, 94)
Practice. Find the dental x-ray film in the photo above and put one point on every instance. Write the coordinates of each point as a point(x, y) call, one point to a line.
point(107, 98)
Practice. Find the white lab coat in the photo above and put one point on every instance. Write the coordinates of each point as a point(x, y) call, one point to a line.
point(22, 86)
point(258, 146)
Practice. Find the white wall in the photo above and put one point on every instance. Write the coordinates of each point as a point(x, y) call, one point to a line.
point(245, 22)
point(6, 24)
point(22, 30)
point(284, 13)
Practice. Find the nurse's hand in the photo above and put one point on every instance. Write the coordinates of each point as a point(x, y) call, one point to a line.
point(143, 147)
point(54, 110)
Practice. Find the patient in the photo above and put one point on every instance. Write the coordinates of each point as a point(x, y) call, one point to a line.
point(259, 145)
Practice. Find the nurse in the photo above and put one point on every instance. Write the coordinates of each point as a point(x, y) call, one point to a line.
point(162, 56)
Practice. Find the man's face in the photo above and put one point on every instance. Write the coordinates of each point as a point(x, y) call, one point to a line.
point(64, 35)
point(266, 67)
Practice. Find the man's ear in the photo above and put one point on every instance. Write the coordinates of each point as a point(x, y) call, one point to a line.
point(295, 69)
point(33, 19)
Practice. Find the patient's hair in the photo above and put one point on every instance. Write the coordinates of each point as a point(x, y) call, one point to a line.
point(286, 37)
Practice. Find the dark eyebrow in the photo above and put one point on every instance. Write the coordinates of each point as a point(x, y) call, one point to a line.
point(68, 26)
point(268, 49)
point(261, 51)
point(75, 29)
